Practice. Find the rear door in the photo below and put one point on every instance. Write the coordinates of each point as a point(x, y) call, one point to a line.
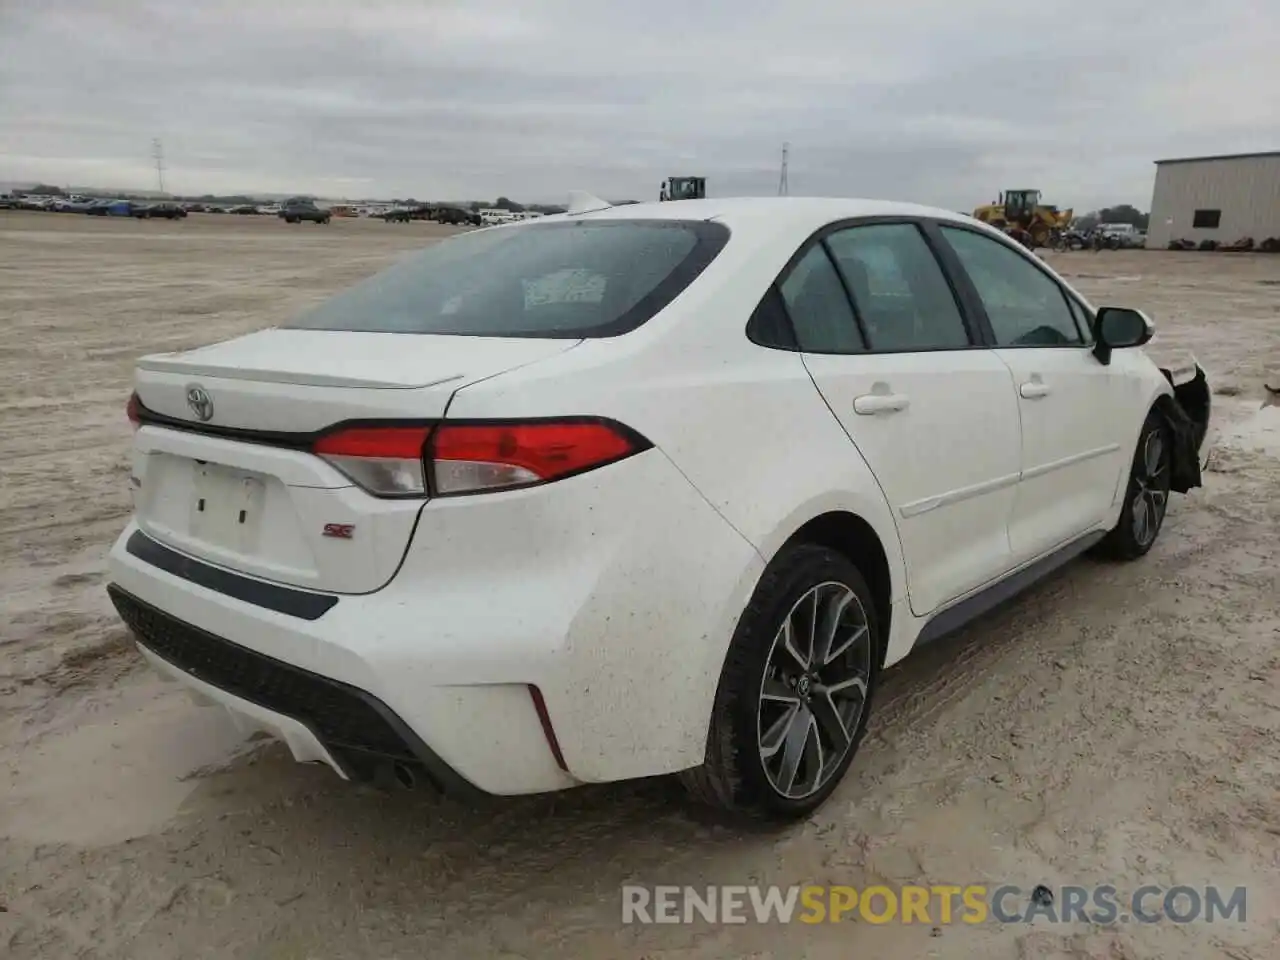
point(932, 413)
point(1071, 436)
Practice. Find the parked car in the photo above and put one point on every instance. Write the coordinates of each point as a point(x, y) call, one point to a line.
point(455, 215)
point(636, 491)
point(111, 208)
point(246, 209)
point(297, 209)
point(405, 214)
point(166, 211)
point(1121, 236)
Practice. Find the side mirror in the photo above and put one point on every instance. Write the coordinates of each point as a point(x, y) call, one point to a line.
point(1118, 327)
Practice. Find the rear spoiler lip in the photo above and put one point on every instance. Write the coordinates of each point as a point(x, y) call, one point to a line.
point(161, 363)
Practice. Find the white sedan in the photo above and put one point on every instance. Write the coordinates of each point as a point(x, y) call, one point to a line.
point(636, 490)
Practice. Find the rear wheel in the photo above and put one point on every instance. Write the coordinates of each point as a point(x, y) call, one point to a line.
point(795, 692)
point(1146, 497)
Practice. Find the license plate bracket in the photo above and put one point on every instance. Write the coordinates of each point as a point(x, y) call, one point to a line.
point(226, 507)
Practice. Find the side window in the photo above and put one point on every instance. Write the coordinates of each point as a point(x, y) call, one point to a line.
point(1026, 307)
point(819, 309)
point(1083, 321)
point(769, 326)
point(902, 297)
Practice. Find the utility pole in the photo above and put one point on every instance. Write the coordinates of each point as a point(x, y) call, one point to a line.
point(157, 151)
point(782, 178)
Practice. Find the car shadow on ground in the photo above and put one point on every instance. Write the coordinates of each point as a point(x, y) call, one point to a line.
point(309, 827)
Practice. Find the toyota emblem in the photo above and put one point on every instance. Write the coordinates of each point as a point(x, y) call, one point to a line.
point(200, 402)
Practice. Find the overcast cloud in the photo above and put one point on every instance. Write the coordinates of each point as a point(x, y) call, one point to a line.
point(937, 101)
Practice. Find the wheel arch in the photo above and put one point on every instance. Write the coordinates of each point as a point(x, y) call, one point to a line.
point(1148, 396)
point(855, 538)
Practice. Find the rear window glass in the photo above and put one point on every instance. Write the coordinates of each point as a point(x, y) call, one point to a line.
point(568, 279)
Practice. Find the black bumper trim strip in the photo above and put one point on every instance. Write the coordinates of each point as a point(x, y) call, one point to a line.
point(443, 776)
point(302, 604)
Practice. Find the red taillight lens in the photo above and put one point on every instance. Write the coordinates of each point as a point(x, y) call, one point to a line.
point(469, 458)
point(459, 458)
point(387, 461)
point(131, 410)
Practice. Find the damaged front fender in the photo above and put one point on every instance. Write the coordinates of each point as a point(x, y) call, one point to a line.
point(1187, 413)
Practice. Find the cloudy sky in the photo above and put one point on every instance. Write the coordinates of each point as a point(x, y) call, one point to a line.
point(938, 101)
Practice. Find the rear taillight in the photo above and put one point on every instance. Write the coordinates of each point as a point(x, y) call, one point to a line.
point(451, 459)
point(469, 458)
point(131, 410)
point(386, 461)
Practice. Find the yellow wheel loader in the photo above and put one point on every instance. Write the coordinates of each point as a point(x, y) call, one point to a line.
point(1022, 209)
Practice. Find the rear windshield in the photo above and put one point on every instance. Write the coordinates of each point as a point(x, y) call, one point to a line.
point(594, 278)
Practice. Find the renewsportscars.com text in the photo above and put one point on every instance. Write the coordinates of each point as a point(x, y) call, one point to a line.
point(935, 905)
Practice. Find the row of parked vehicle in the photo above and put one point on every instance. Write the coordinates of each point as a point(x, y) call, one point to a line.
point(292, 210)
point(96, 207)
point(1104, 236)
point(440, 213)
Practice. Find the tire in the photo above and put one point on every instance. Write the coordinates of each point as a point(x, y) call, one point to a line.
point(1146, 494)
point(765, 700)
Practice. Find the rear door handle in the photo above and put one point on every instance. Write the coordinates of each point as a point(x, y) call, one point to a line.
point(1034, 390)
point(873, 403)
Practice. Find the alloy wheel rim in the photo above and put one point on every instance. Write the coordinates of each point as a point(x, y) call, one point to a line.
point(814, 690)
point(1151, 497)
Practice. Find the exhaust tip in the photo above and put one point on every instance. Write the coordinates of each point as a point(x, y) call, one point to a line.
point(404, 775)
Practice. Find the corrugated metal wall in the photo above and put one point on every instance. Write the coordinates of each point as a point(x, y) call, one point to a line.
point(1245, 189)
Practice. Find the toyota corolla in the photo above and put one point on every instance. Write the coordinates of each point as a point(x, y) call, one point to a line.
point(636, 490)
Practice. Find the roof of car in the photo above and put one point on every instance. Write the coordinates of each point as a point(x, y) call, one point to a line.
point(795, 211)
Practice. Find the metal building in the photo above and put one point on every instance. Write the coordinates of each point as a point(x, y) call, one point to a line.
point(1219, 198)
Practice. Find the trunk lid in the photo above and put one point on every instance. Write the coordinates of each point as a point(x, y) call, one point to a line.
point(304, 380)
point(265, 506)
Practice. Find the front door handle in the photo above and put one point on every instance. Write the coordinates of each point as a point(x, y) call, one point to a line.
point(1034, 390)
point(873, 403)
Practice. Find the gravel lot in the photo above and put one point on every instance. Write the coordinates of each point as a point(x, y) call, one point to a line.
point(1116, 725)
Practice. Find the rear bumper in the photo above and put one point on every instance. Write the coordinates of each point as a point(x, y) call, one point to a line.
point(318, 718)
point(613, 594)
point(308, 683)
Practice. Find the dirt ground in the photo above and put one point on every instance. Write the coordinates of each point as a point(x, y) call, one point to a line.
point(1118, 724)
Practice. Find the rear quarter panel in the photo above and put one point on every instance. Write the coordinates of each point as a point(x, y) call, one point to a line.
point(743, 423)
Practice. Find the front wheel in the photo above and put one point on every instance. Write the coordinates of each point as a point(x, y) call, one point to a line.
point(795, 691)
point(1146, 497)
